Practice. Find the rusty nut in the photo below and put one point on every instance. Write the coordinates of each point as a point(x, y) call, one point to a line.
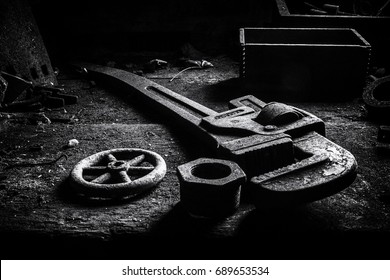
point(210, 187)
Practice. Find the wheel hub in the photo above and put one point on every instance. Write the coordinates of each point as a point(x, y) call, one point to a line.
point(118, 165)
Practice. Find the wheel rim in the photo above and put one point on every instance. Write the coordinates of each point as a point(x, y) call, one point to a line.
point(118, 173)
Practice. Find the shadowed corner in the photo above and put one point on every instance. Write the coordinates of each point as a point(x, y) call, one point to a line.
point(302, 233)
point(30, 245)
point(178, 222)
point(225, 90)
point(178, 235)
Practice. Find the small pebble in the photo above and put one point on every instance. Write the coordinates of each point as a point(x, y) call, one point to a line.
point(73, 143)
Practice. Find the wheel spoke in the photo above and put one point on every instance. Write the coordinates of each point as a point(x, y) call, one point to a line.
point(124, 177)
point(94, 170)
point(102, 178)
point(111, 158)
point(136, 161)
point(140, 170)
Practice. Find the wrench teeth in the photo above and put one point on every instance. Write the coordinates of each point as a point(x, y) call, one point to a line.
point(258, 154)
point(295, 167)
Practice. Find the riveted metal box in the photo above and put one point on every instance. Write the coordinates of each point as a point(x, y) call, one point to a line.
point(363, 16)
point(303, 64)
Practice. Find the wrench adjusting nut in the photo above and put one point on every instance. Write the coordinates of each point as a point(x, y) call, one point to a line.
point(210, 187)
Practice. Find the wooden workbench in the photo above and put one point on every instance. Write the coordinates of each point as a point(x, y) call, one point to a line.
point(42, 218)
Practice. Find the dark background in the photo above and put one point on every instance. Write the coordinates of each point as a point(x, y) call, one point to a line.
point(341, 226)
point(89, 28)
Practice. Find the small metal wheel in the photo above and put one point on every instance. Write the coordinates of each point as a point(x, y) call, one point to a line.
point(118, 173)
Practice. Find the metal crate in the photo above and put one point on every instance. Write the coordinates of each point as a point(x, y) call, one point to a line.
point(375, 29)
point(303, 64)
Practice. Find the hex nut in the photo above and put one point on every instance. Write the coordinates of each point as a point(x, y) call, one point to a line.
point(210, 187)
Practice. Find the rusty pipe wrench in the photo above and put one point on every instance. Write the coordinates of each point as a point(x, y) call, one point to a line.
point(282, 149)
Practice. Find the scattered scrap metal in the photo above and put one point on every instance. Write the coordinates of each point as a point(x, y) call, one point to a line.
point(34, 96)
point(194, 64)
point(154, 65)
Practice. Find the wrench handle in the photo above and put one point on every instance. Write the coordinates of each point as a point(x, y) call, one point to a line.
point(163, 98)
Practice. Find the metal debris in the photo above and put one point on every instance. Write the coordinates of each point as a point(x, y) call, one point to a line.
point(196, 64)
point(155, 64)
point(16, 86)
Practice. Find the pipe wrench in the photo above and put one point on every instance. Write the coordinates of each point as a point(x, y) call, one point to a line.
point(281, 148)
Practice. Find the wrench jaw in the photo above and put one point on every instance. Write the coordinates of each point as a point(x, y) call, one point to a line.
point(258, 154)
point(314, 167)
point(289, 159)
point(329, 170)
point(261, 135)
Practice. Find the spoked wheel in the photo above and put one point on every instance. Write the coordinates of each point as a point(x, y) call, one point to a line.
point(118, 173)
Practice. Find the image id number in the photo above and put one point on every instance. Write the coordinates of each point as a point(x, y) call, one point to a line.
point(242, 270)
